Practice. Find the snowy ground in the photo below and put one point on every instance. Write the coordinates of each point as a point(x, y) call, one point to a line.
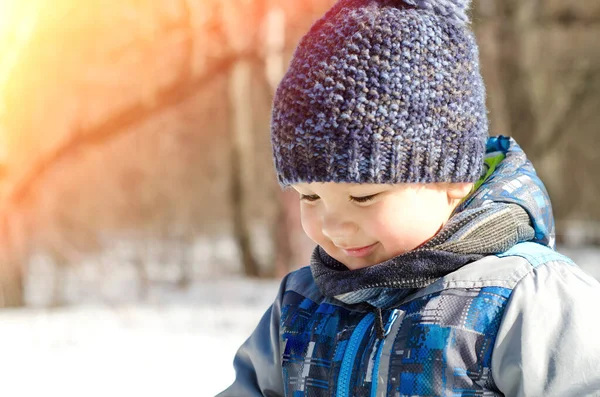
point(178, 343)
point(182, 346)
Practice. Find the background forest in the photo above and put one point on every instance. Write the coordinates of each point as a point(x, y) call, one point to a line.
point(134, 136)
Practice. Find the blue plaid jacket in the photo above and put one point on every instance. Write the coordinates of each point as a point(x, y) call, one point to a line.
point(520, 323)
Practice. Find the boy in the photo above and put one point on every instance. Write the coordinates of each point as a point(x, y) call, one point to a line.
point(434, 272)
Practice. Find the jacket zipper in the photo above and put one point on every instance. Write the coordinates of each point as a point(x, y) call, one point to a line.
point(388, 326)
point(343, 389)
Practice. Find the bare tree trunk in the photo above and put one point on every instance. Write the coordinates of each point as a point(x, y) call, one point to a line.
point(284, 253)
point(517, 88)
point(241, 231)
point(12, 292)
point(12, 252)
point(274, 39)
point(241, 160)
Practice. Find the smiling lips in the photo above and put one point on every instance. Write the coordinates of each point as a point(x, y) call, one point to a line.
point(359, 252)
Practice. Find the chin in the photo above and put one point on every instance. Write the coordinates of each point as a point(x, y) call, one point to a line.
point(351, 262)
point(355, 264)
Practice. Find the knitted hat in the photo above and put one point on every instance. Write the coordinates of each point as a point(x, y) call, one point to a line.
point(383, 91)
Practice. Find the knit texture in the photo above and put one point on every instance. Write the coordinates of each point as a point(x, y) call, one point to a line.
point(382, 91)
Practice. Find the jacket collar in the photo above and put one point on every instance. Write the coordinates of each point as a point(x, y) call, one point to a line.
point(510, 206)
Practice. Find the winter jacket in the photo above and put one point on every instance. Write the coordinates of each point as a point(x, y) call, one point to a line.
point(466, 315)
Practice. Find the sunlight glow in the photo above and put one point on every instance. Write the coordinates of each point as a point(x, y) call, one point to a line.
point(18, 20)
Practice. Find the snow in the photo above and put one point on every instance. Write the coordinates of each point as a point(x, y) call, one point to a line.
point(178, 342)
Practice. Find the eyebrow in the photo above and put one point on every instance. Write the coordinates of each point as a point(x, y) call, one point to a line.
point(370, 192)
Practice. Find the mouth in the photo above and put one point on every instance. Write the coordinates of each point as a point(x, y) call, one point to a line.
point(359, 252)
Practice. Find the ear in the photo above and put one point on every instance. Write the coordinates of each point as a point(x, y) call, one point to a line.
point(458, 191)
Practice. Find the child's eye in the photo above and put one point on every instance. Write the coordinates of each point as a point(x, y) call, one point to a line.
point(309, 197)
point(363, 199)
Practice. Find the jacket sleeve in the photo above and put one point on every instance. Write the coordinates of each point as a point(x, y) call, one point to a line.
point(257, 362)
point(548, 343)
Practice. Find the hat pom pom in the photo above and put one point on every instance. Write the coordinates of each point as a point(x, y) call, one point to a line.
point(454, 10)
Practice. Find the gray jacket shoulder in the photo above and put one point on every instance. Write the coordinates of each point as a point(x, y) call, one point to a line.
point(504, 270)
point(547, 343)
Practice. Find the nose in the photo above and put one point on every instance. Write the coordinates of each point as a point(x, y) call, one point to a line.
point(336, 226)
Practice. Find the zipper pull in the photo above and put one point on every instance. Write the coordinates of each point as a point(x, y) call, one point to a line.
point(381, 330)
point(391, 319)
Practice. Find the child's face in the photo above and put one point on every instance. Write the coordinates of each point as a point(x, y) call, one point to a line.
point(361, 225)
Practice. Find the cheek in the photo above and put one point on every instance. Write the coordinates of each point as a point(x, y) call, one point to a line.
point(403, 228)
point(399, 232)
point(310, 224)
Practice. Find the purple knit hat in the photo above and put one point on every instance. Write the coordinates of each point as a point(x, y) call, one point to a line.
point(383, 91)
